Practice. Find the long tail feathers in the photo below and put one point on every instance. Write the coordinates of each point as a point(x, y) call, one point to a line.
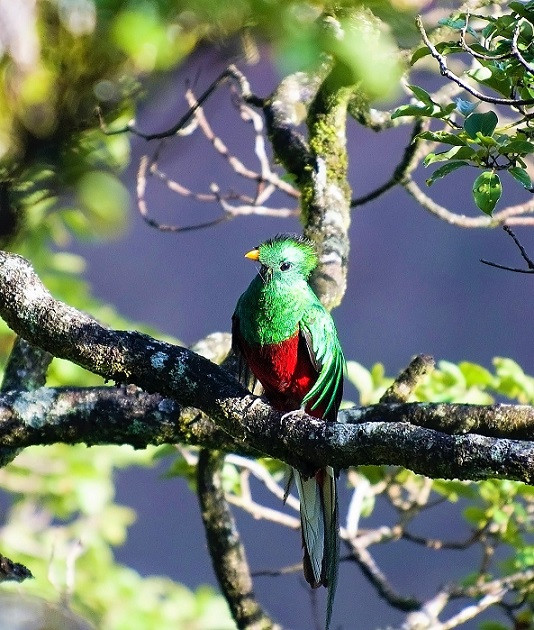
point(319, 518)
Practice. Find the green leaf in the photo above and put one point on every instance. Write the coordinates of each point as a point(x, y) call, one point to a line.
point(522, 176)
point(106, 201)
point(525, 557)
point(483, 123)
point(419, 54)
point(512, 381)
point(492, 625)
point(374, 474)
point(517, 146)
point(487, 191)
point(452, 373)
point(447, 168)
point(453, 489)
point(476, 375)
point(457, 25)
point(444, 48)
point(500, 517)
point(523, 9)
point(442, 136)
point(421, 94)
point(457, 153)
point(360, 377)
point(433, 110)
point(492, 76)
point(411, 110)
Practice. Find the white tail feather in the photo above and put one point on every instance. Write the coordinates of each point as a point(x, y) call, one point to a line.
point(319, 518)
point(312, 518)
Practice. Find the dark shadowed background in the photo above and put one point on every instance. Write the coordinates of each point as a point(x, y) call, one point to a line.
point(415, 286)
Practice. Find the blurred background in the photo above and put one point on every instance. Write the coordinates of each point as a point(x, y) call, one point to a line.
point(416, 285)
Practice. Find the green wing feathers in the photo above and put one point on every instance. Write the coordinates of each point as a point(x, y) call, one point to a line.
point(320, 333)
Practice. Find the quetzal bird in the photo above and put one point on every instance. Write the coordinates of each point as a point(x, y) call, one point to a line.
point(284, 336)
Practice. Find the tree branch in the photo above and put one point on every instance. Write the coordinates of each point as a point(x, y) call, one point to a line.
point(383, 434)
point(26, 367)
point(227, 552)
point(326, 192)
point(25, 370)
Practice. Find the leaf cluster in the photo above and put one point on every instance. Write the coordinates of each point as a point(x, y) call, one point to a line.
point(498, 77)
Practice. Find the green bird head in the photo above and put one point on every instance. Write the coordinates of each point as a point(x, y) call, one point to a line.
point(285, 258)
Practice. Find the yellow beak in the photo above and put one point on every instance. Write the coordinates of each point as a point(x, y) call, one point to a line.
point(253, 254)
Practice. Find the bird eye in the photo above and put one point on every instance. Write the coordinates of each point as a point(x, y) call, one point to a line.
point(285, 266)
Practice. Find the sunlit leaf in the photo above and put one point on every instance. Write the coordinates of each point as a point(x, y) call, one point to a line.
point(457, 25)
point(456, 153)
point(487, 191)
point(421, 94)
point(521, 147)
point(475, 515)
point(442, 136)
point(476, 375)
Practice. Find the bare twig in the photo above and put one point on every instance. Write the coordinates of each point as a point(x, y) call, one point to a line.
point(515, 48)
point(263, 475)
point(469, 612)
point(437, 544)
point(143, 209)
point(384, 589)
point(524, 255)
point(247, 114)
point(474, 53)
point(267, 181)
point(230, 73)
point(510, 215)
point(409, 162)
point(292, 568)
point(262, 512)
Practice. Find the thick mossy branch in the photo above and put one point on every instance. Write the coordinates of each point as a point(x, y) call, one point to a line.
point(383, 434)
point(319, 165)
point(326, 192)
point(515, 422)
point(226, 550)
